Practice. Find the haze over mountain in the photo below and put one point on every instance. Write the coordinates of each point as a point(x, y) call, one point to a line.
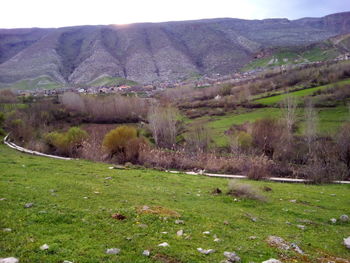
point(150, 52)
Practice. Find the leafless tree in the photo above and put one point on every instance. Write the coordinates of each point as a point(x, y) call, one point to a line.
point(310, 125)
point(163, 123)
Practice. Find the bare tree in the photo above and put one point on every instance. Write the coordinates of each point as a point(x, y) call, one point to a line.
point(289, 106)
point(310, 125)
point(163, 123)
point(199, 138)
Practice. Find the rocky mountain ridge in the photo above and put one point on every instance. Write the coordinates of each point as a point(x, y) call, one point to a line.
point(150, 52)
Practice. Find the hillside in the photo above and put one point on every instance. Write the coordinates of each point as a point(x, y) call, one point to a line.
point(152, 51)
point(73, 204)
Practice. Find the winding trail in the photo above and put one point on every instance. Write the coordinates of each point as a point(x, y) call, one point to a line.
point(227, 176)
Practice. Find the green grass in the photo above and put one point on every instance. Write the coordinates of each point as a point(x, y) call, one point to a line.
point(109, 81)
point(37, 83)
point(80, 230)
point(274, 100)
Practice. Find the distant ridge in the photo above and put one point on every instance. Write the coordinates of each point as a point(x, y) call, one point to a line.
point(148, 52)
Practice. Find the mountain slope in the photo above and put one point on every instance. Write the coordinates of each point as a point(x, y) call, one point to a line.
point(150, 52)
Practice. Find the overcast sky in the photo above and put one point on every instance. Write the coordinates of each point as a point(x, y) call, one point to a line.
point(59, 13)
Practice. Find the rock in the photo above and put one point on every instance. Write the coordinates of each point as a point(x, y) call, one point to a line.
point(206, 233)
point(333, 220)
point(7, 229)
point(347, 242)
point(28, 205)
point(67, 261)
point(205, 251)
point(296, 248)
point(164, 232)
point(143, 225)
point(113, 251)
point(344, 218)
point(302, 227)
point(85, 197)
point(216, 191)
point(226, 222)
point(9, 260)
point(232, 256)
point(145, 208)
point(44, 247)
point(2, 199)
point(216, 239)
point(293, 201)
point(278, 242)
point(146, 253)
point(164, 244)
point(180, 233)
point(179, 222)
point(252, 237)
point(272, 260)
point(108, 178)
point(52, 190)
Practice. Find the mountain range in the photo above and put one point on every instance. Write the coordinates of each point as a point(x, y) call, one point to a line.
point(149, 52)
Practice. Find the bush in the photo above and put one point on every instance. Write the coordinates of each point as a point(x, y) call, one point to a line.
point(266, 135)
point(244, 190)
point(2, 120)
point(259, 168)
point(323, 165)
point(123, 144)
point(67, 143)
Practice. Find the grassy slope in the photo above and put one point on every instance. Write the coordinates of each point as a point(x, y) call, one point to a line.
point(80, 230)
point(37, 83)
point(108, 81)
point(330, 119)
point(299, 94)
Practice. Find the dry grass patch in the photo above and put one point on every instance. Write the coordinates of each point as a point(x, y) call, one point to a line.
point(244, 190)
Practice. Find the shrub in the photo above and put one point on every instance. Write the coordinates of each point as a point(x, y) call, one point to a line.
point(343, 145)
point(123, 144)
point(266, 135)
point(67, 143)
point(2, 120)
point(244, 190)
point(323, 165)
point(259, 168)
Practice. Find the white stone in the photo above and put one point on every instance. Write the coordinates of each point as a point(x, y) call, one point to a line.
point(179, 222)
point(9, 260)
point(44, 247)
point(272, 260)
point(232, 256)
point(146, 253)
point(67, 261)
point(113, 251)
point(28, 205)
point(180, 233)
point(333, 220)
point(302, 227)
point(344, 218)
point(164, 244)
point(347, 242)
point(205, 251)
point(7, 230)
point(216, 240)
point(206, 233)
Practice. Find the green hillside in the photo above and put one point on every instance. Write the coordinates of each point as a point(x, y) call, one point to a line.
point(73, 204)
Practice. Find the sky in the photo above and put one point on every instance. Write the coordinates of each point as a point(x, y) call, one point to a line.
point(60, 13)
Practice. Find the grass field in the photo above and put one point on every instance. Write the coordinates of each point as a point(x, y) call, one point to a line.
point(275, 100)
point(73, 204)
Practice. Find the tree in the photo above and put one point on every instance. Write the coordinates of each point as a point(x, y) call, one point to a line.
point(163, 123)
point(343, 145)
point(289, 106)
point(310, 125)
point(199, 138)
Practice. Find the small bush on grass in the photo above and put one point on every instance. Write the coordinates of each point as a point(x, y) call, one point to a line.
point(67, 143)
point(245, 191)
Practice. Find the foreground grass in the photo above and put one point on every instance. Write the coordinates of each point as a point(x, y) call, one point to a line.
point(81, 229)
